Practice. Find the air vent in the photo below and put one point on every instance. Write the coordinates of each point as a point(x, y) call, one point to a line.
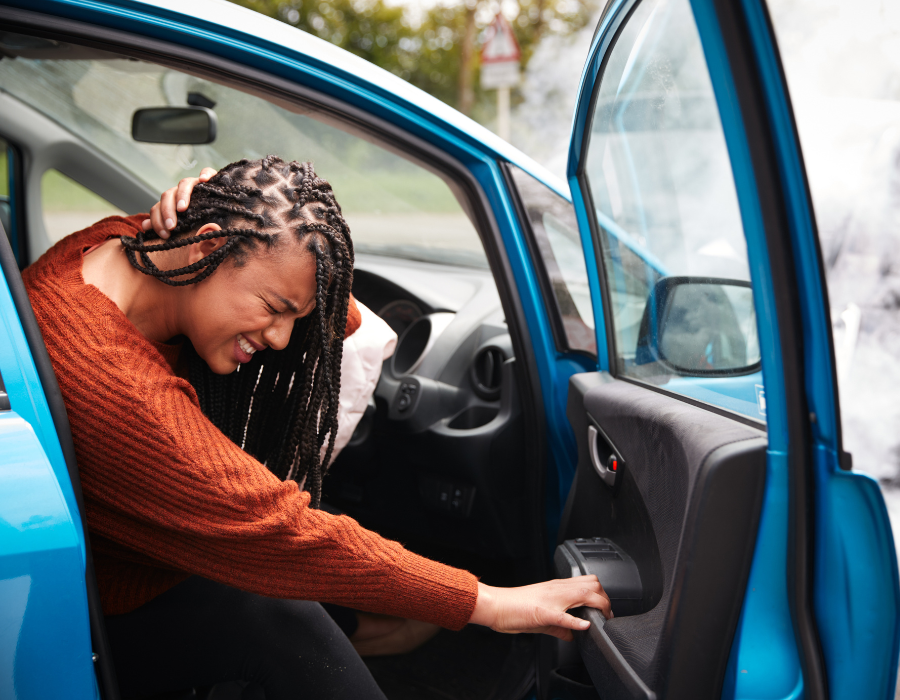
point(487, 373)
point(417, 340)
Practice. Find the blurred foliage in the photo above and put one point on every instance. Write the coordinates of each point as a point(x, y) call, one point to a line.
point(4, 169)
point(369, 28)
point(439, 53)
point(61, 193)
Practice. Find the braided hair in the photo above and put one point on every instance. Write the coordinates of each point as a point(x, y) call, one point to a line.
point(282, 406)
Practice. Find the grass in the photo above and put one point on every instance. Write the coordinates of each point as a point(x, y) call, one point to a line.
point(388, 192)
point(4, 170)
point(60, 193)
point(383, 193)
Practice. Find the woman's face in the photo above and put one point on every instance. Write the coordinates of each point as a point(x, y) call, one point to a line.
point(241, 310)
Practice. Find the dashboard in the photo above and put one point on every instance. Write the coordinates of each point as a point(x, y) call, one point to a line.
point(437, 455)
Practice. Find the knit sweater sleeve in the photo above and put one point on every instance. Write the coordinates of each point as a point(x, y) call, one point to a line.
point(178, 490)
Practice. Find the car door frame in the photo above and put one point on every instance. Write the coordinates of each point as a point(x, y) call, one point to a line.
point(34, 394)
point(841, 508)
point(805, 457)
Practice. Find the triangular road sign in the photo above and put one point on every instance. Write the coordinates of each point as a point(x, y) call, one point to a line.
point(500, 46)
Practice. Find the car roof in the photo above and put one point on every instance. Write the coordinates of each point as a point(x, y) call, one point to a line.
point(255, 28)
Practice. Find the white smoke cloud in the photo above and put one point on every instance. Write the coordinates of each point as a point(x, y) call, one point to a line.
point(842, 62)
point(542, 124)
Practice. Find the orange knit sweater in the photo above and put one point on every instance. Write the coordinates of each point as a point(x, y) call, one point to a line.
point(167, 495)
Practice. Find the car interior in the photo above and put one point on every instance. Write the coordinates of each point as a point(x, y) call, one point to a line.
point(438, 461)
point(450, 458)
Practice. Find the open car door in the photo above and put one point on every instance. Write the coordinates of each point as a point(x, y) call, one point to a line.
point(712, 496)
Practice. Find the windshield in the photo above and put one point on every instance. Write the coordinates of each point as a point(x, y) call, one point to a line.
point(393, 206)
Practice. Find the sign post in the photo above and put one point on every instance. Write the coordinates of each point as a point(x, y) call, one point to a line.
point(500, 57)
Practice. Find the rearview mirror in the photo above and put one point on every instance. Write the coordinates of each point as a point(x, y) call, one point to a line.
point(700, 326)
point(175, 125)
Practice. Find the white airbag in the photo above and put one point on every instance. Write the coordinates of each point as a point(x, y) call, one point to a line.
point(364, 351)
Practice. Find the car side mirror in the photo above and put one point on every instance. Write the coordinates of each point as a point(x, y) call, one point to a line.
point(700, 326)
point(174, 125)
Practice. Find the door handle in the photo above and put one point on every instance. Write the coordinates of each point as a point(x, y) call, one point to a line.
point(609, 469)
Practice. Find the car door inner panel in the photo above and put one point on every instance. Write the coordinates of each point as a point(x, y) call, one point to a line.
point(671, 541)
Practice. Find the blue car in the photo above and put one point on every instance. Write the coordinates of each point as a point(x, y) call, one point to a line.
point(629, 374)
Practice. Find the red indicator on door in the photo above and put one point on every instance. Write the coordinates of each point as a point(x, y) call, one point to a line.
point(612, 463)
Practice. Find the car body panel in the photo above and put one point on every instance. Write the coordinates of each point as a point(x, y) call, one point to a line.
point(44, 615)
point(556, 368)
point(765, 661)
point(27, 397)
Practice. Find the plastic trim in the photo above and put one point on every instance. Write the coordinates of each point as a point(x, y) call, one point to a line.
point(594, 641)
point(18, 216)
point(553, 312)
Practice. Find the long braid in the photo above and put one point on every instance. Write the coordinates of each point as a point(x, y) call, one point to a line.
point(282, 406)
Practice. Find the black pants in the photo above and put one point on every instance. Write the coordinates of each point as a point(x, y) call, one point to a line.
point(201, 633)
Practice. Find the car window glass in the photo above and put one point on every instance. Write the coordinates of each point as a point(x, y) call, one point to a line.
point(5, 206)
point(554, 229)
point(393, 206)
point(68, 206)
point(672, 241)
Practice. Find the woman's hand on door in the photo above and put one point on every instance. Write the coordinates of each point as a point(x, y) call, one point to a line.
point(540, 607)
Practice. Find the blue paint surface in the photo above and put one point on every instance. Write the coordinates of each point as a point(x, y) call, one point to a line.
point(45, 649)
point(27, 398)
point(764, 643)
point(580, 126)
point(764, 664)
point(554, 368)
point(856, 572)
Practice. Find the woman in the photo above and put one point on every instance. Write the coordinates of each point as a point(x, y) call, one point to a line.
point(207, 553)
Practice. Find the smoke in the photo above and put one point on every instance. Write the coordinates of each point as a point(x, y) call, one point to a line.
point(842, 62)
point(542, 123)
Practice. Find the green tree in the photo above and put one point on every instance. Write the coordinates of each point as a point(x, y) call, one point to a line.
point(368, 28)
point(440, 55)
point(451, 37)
